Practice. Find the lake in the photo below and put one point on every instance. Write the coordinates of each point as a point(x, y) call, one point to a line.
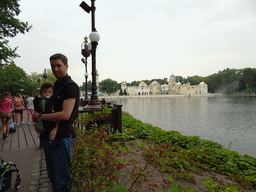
point(229, 121)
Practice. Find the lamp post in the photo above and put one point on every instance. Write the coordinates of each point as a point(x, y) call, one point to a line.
point(45, 75)
point(85, 49)
point(94, 38)
point(22, 82)
point(38, 82)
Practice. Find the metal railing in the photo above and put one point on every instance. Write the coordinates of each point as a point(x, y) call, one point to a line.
point(114, 120)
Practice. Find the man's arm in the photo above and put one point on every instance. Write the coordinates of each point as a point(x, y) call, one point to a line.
point(64, 115)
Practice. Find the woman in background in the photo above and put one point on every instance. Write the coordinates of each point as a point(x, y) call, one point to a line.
point(5, 112)
point(18, 108)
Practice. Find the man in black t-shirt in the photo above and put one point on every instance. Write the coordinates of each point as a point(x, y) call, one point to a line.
point(58, 152)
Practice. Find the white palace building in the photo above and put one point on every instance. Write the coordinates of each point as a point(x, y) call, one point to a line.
point(172, 88)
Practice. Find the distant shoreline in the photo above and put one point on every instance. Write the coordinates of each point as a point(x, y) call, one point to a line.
point(155, 96)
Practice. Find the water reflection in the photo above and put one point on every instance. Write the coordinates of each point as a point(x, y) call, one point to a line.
point(220, 119)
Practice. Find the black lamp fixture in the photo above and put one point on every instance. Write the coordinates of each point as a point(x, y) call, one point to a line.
point(94, 37)
point(38, 82)
point(45, 75)
point(21, 82)
point(85, 50)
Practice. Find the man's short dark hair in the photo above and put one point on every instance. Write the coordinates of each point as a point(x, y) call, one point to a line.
point(60, 56)
point(46, 86)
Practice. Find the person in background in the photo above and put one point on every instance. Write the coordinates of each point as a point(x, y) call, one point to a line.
point(18, 108)
point(29, 106)
point(13, 113)
point(5, 112)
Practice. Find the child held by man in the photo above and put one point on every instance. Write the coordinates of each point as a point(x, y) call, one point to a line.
point(41, 105)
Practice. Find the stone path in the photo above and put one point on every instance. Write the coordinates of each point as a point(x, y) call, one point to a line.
point(39, 181)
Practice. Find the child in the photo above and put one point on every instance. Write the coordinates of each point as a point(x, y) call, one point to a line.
point(40, 106)
point(29, 106)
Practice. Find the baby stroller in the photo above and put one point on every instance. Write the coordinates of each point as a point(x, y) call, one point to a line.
point(6, 176)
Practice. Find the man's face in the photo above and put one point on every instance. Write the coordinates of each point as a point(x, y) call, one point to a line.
point(59, 69)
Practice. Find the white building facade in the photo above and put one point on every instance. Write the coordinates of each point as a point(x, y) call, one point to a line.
point(172, 88)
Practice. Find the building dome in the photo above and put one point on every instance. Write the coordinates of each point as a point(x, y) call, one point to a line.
point(172, 75)
point(178, 83)
point(155, 83)
point(202, 83)
point(142, 83)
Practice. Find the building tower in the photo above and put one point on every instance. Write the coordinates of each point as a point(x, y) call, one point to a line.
point(172, 84)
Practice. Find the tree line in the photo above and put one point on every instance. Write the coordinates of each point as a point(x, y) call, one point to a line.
point(11, 75)
point(226, 82)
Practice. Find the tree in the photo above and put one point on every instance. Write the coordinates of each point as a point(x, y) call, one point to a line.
point(32, 78)
point(248, 80)
point(179, 79)
point(89, 86)
point(121, 92)
point(195, 80)
point(125, 92)
point(10, 27)
point(10, 77)
point(50, 77)
point(109, 86)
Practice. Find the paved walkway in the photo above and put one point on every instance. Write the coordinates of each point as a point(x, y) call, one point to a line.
point(22, 148)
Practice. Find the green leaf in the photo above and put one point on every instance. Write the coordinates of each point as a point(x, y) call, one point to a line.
point(120, 188)
point(170, 179)
point(191, 189)
point(175, 188)
point(163, 188)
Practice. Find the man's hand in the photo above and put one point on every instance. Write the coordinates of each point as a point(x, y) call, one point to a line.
point(37, 130)
point(35, 116)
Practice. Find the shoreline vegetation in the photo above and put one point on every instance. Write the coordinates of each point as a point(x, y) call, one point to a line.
point(147, 158)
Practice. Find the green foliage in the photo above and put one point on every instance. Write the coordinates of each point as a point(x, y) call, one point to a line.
point(194, 80)
point(11, 75)
point(10, 26)
point(87, 119)
point(94, 164)
point(89, 86)
point(108, 86)
point(214, 186)
point(121, 92)
point(192, 154)
point(248, 80)
point(232, 80)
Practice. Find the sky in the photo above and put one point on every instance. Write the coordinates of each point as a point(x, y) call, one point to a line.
point(140, 39)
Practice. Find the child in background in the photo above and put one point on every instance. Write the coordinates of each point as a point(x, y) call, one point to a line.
point(29, 106)
point(40, 106)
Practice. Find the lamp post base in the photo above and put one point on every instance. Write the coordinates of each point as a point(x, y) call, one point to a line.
point(86, 101)
point(93, 106)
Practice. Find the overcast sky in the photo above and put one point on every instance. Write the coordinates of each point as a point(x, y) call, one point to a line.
point(140, 39)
